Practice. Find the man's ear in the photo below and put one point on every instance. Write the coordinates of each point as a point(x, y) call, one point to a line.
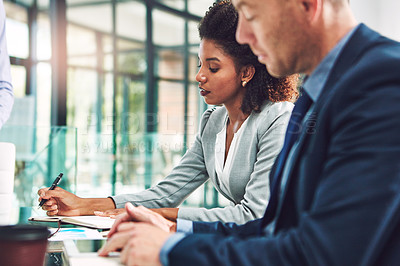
point(248, 73)
point(312, 9)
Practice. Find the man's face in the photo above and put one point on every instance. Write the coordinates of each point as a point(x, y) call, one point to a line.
point(275, 31)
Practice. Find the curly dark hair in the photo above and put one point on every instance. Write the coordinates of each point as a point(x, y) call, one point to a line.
point(219, 25)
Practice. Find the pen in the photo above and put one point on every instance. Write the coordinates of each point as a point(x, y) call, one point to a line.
point(53, 186)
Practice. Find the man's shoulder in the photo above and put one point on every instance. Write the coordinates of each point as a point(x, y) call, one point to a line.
point(377, 50)
point(368, 61)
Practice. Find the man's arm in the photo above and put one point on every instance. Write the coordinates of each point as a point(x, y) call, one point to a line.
point(356, 203)
point(252, 228)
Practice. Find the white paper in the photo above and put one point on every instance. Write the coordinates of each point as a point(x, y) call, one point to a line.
point(75, 233)
point(92, 221)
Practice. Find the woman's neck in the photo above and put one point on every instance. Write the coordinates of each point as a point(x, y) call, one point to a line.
point(236, 117)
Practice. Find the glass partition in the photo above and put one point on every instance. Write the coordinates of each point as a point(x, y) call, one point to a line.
point(41, 154)
point(117, 84)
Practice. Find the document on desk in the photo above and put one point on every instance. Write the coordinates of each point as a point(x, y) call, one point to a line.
point(75, 234)
point(92, 221)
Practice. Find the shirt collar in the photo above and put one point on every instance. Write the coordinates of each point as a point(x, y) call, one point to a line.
point(314, 84)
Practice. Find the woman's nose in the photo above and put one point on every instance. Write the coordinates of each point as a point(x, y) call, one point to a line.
point(200, 77)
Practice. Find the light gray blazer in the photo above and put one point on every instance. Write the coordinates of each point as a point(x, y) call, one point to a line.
point(248, 194)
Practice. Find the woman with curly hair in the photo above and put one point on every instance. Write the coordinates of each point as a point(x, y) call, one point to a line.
point(237, 143)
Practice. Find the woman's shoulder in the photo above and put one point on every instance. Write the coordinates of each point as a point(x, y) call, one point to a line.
point(272, 113)
point(214, 113)
point(276, 108)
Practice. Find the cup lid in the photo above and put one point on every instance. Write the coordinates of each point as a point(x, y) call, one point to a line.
point(23, 232)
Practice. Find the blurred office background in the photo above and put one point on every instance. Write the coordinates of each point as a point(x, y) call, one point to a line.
point(105, 90)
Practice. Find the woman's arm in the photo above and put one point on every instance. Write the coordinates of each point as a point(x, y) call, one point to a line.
point(255, 199)
point(186, 177)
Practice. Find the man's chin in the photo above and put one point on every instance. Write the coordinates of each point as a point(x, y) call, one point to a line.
point(275, 74)
point(278, 72)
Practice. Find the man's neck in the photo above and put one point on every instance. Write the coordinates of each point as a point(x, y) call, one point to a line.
point(333, 28)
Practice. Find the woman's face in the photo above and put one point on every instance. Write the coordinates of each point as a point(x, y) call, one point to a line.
point(219, 83)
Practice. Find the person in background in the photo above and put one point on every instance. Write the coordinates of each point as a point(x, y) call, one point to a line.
point(335, 192)
point(6, 89)
point(237, 143)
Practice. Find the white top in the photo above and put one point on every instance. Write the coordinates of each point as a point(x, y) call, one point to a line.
point(223, 171)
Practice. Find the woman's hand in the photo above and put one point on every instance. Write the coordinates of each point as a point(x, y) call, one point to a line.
point(64, 203)
point(168, 213)
point(110, 213)
point(60, 202)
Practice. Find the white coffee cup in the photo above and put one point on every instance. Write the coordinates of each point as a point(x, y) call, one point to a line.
point(6, 201)
point(7, 156)
point(7, 167)
point(6, 181)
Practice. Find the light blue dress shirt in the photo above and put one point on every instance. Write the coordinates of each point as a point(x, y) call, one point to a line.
point(183, 227)
point(6, 89)
point(313, 86)
point(317, 80)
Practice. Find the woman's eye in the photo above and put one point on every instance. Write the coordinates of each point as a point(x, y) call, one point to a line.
point(214, 70)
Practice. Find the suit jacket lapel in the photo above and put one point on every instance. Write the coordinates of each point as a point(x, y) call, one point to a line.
point(357, 43)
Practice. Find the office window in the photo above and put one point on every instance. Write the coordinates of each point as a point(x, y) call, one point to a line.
point(168, 30)
point(176, 4)
point(133, 156)
point(18, 74)
point(17, 31)
point(170, 122)
point(82, 99)
point(131, 21)
point(170, 64)
point(43, 94)
point(199, 7)
point(95, 17)
point(195, 111)
point(43, 47)
point(132, 58)
point(82, 47)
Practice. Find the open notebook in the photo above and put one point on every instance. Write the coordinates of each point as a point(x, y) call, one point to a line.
point(96, 222)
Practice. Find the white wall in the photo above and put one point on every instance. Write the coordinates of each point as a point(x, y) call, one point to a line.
point(380, 15)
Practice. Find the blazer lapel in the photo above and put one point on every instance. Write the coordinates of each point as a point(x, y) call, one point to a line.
point(355, 46)
point(209, 138)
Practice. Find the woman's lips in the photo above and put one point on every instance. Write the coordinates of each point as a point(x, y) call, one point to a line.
point(203, 92)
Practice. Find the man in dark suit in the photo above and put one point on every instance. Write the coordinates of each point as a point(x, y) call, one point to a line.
point(336, 184)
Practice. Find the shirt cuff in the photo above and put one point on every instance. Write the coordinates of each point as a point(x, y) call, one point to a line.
point(184, 226)
point(168, 246)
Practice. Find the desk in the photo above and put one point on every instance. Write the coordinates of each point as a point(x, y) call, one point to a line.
point(55, 257)
point(55, 254)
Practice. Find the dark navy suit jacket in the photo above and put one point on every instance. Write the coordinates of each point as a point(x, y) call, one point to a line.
point(341, 202)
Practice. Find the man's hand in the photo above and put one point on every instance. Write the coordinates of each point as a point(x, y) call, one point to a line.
point(140, 243)
point(144, 215)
